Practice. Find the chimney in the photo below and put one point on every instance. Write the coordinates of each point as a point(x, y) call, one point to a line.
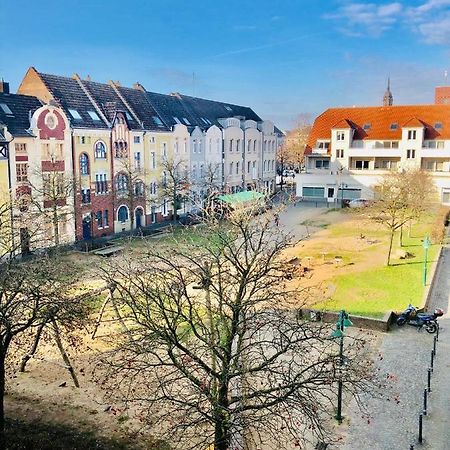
point(138, 86)
point(4, 87)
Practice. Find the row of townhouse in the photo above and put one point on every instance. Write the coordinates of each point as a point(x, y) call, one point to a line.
point(350, 149)
point(116, 143)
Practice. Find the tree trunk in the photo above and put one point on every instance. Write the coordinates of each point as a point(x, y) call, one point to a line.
point(221, 433)
point(391, 239)
point(3, 352)
point(401, 236)
point(33, 349)
point(174, 201)
point(55, 224)
point(64, 354)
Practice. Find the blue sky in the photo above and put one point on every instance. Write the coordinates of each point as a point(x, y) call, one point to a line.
point(282, 58)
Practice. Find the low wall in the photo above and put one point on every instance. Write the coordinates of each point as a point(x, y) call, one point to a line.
point(383, 324)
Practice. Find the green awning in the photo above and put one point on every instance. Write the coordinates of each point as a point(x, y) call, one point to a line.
point(241, 197)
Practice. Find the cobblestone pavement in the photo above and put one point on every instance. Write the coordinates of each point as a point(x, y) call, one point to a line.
point(406, 354)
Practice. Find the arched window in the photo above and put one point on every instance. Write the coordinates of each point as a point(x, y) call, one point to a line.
point(122, 214)
point(84, 164)
point(121, 182)
point(100, 150)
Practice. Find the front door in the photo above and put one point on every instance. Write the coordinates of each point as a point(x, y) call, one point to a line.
point(139, 218)
point(86, 228)
point(330, 193)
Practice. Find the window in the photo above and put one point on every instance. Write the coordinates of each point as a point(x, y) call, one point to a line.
point(128, 115)
point(75, 114)
point(340, 153)
point(157, 120)
point(121, 182)
point(137, 161)
point(153, 160)
point(440, 144)
point(237, 168)
point(82, 140)
point(177, 120)
point(99, 219)
point(322, 164)
point(139, 189)
point(105, 218)
point(438, 125)
point(254, 146)
point(84, 164)
point(122, 214)
point(101, 185)
point(153, 188)
point(238, 145)
point(249, 164)
point(367, 126)
point(361, 164)
point(6, 109)
point(200, 146)
point(340, 136)
point(228, 108)
point(100, 150)
point(446, 196)
point(164, 150)
point(21, 148)
point(21, 172)
point(385, 164)
point(393, 126)
point(434, 166)
point(186, 121)
point(152, 139)
point(410, 154)
point(137, 139)
point(412, 134)
point(121, 149)
point(231, 168)
point(323, 145)
point(231, 145)
point(85, 196)
point(394, 144)
point(93, 115)
point(313, 192)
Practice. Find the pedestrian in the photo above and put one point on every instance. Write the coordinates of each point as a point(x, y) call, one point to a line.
point(277, 220)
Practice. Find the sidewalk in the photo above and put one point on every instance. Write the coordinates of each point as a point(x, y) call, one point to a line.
point(393, 421)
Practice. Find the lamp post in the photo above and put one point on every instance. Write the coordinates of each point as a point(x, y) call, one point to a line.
point(343, 321)
point(426, 245)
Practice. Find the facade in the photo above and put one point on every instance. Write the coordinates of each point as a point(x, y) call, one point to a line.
point(350, 149)
point(116, 144)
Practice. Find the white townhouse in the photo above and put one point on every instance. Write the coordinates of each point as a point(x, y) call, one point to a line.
point(350, 149)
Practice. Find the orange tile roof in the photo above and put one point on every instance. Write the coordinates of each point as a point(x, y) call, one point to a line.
point(380, 119)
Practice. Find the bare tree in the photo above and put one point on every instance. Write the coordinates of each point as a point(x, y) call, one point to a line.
point(210, 183)
point(215, 352)
point(175, 183)
point(32, 295)
point(50, 199)
point(400, 198)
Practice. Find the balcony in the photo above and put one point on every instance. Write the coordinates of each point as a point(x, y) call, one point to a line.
point(319, 151)
point(426, 152)
point(372, 152)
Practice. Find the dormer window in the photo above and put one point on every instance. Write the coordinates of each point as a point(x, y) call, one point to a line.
point(367, 126)
point(186, 121)
point(75, 114)
point(340, 136)
point(157, 120)
point(129, 118)
point(177, 120)
point(228, 108)
point(323, 145)
point(93, 115)
point(438, 125)
point(6, 109)
point(393, 126)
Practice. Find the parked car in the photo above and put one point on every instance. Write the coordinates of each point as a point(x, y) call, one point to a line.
point(358, 203)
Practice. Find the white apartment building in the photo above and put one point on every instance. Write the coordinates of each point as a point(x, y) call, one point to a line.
point(350, 149)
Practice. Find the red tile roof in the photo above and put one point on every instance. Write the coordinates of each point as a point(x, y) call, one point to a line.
point(380, 119)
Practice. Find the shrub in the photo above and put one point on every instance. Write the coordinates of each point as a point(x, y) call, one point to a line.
point(441, 221)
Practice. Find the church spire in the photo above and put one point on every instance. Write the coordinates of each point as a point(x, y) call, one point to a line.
point(388, 99)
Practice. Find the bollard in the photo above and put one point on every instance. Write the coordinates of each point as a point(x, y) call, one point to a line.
point(432, 360)
point(429, 380)
point(434, 345)
point(420, 428)
point(425, 392)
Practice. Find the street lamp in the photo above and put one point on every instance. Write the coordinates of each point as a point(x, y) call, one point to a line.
point(343, 321)
point(426, 245)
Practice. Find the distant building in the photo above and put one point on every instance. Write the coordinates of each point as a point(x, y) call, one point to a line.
point(442, 95)
point(349, 149)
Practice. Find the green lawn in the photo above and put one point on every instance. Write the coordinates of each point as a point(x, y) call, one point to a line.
point(374, 292)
